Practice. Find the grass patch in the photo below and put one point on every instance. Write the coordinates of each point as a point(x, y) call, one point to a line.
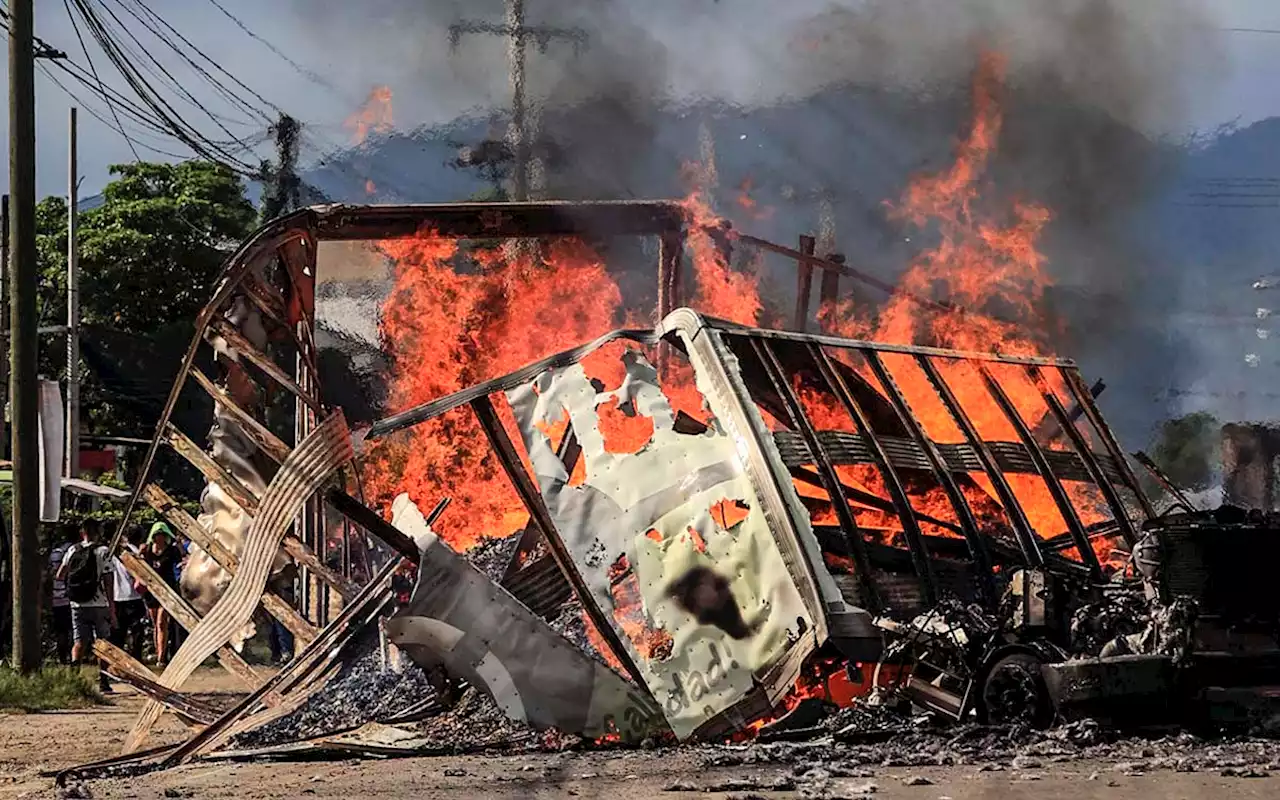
point(49, 689)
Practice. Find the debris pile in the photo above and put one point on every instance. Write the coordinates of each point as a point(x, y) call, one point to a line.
point(912, 555)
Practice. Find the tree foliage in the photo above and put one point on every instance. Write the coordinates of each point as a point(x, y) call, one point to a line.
point(149, 258)
point(151, 253)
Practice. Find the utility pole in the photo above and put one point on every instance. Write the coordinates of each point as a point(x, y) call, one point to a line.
point(4, 323)
point(23, 388)
point(73, 306)
point(283, 190)
point(518, 35)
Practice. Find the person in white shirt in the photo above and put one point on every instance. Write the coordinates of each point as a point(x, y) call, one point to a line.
point(131, 610)
point(90, 579)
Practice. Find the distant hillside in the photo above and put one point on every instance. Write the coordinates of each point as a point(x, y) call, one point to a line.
point(1155, 247)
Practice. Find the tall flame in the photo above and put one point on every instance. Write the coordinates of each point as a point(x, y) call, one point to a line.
point(985, 262)
point(456, 318)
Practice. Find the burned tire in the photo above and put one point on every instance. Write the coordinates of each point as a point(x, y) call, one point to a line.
point(1014, 691)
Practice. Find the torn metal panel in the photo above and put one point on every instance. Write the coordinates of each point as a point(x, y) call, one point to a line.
point(720, 378)
point(459, 619)
point(702, 610)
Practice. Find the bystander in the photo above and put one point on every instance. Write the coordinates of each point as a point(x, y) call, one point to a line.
point(60, 606)
point(131, 611)
point(86, 568)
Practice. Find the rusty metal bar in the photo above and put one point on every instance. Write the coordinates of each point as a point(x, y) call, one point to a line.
point(274, 605)
point(237, 267)
point(978, 549)
point(959, 503)
point(670, 258)
point(1085, 400)
point(804, 283)
point(211, 470)
point(827, 340)
point(831, 482)
point(670, 261)
point(421, 413)
point(532, 499)
point(245, 349)
point(847, 271)
point(306, 557)
point(266, 299)
point(569, 451)
point(527, 220)
point(124, 667)
point(1048, 429)
point(1087, 456)
point(1157, 474)
point(182, 613)
point(265, 440)
point(371, 521)
point(1027, 539)
point(1060, 497)
point(870, 500)
point(334, 635)
point(829, 289)
point(253, 290)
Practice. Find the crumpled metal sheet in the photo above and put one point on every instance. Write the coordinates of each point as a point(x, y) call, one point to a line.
point(304, 472)
point(641, 523)
point(460, 619)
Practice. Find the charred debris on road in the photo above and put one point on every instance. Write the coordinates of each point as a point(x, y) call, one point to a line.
point(732, 533)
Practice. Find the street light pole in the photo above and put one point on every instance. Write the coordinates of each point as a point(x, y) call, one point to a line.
point(73, 307)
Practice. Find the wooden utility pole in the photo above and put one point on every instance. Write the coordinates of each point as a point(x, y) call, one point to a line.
point(518, 35)
point(23, 387)
point(4, 323)
point(73, 306)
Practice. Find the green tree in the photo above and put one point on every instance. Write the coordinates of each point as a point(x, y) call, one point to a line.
point(149, 258)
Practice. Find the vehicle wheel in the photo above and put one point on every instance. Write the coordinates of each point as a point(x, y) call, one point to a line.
point(1014, 691)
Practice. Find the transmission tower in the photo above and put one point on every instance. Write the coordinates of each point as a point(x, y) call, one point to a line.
point(518, 35)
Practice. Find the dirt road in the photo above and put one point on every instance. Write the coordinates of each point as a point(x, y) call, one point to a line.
point(32, 744)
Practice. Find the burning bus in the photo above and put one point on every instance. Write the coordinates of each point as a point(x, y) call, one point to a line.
point(733, 506)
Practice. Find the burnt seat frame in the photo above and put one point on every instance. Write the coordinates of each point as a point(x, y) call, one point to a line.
point(779, 356)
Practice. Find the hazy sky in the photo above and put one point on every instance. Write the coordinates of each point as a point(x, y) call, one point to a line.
point(710, 47)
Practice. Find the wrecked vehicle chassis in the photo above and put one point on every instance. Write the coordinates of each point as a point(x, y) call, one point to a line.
point(865, 538)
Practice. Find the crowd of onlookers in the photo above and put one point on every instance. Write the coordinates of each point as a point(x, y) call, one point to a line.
point(93, 596)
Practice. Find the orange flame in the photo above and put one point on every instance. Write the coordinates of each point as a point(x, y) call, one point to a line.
point(373, 117)
point(984, 262)
point(722, 291)
point(454, 319)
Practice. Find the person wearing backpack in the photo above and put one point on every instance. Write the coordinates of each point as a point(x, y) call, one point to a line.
point(89, 577)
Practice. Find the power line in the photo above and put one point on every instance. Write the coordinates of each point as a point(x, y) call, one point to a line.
point(159, 71)
point(96, 77)
point(171, 119)
point(301, 70)
point(1266, 31)
point(216, 83)
point(98, 116)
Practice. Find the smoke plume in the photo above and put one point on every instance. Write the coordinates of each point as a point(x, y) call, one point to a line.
point(841, 102)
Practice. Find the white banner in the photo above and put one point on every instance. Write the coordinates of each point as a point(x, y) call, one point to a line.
point(52, 442)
